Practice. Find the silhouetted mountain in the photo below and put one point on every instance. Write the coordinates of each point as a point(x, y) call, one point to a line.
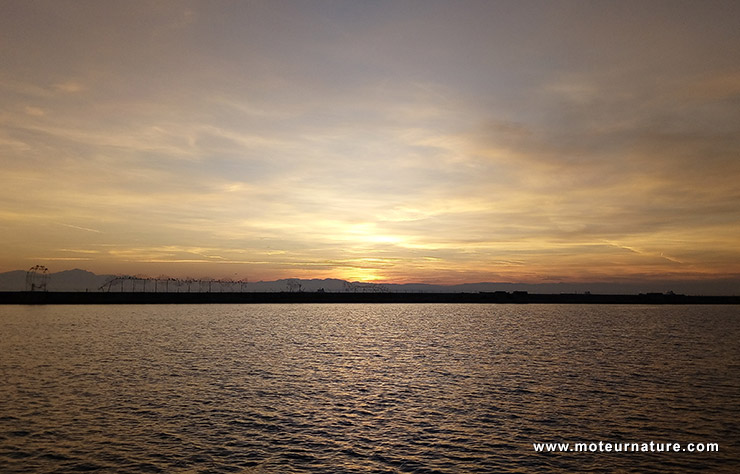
point(82, 280)
point(13, 281)
point(67, 280)
point(76, 280)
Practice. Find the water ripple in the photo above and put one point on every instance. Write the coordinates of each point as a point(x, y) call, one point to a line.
point(365, 388)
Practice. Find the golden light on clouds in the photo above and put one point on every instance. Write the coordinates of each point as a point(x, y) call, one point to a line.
point(488, 141)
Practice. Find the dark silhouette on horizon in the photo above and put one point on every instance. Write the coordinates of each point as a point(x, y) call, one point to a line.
point(321, 296)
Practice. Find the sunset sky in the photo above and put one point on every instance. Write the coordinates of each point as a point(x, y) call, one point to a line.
point(397, 141)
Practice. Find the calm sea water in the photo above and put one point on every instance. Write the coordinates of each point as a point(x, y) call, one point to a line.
point(365, 388)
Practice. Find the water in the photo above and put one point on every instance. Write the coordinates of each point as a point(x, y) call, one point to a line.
point(365, 388)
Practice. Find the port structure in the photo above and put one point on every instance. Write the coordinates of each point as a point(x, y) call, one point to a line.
point(359, 287)
point(37, 278)
point(165, 284)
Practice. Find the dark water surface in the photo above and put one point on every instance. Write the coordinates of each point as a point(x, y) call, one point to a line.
point(366, 388)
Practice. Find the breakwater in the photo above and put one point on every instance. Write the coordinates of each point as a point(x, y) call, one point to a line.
point(27, 297)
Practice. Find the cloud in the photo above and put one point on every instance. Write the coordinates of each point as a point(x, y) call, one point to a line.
point(86, 229)
point(386, 140)
point(35, 111)
point(69, 87)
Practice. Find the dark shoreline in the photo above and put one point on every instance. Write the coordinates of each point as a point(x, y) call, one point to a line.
point(36, 298)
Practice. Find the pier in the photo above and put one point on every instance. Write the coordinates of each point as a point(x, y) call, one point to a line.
point(500, 297)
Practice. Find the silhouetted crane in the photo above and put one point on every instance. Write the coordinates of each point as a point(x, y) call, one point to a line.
point(37, 278)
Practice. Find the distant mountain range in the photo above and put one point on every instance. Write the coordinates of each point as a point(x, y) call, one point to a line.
point(82, 280)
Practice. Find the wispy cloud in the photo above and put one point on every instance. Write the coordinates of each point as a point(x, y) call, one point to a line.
point(298, 141)
point(86, 229)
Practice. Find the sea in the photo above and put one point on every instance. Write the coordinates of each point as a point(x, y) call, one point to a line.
point(369, 388)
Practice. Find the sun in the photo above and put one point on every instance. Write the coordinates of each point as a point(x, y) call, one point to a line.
point(369, 276)
point(366, 275)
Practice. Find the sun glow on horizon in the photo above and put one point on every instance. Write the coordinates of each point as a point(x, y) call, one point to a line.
point(288, 141)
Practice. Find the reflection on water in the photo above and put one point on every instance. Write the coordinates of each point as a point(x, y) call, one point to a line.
point(365, 388)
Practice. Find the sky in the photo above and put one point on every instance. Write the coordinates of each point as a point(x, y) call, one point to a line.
point(388, 141)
